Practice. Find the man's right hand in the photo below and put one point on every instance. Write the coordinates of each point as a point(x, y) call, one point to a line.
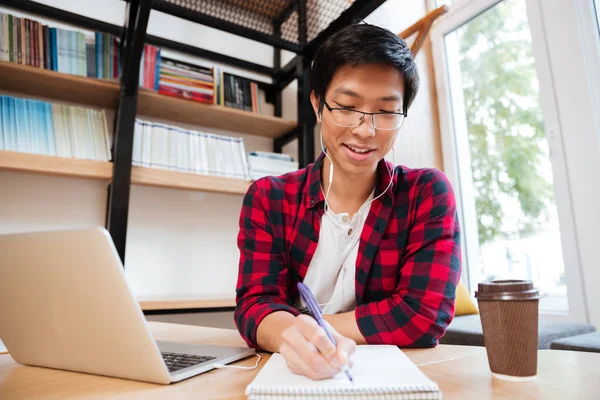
point(308, 351)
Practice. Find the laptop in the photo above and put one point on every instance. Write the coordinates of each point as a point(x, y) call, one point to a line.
point(65, 304)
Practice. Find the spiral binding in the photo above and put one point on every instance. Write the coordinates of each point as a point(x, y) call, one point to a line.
point(415, 392)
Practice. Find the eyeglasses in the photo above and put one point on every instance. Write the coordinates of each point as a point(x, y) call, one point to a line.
point(349, 118)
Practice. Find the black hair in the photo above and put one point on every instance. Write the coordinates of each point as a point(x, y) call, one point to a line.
point(361, 45)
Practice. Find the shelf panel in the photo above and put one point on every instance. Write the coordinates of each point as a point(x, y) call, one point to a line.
point(57, 166)
point(213, 116)
point(183, 302)
point(181, 180)
point(32, 81)
point(90, 169)
point(27, 80)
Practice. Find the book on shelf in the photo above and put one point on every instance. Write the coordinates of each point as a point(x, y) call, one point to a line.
point(209, 86)
point(39, 127)
point(263, 164)
point(238, 92)
point(97, 55)
point(106, 58)
point(150, 67)
point(163, 146)
point(181, 79)
point(28, 42)
point(270, 155)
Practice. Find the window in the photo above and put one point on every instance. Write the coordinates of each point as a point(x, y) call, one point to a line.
point(503, 147)
point(518, 233)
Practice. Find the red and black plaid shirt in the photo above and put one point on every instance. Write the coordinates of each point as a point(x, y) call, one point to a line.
point(408, 262)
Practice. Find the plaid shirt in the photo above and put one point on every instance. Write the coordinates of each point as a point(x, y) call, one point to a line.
point(408, 262)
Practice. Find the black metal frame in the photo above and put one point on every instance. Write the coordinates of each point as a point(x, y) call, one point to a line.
point(226, 26)
point(134, 35)
point(122, 151)
point(359, 10)
point(57, 14)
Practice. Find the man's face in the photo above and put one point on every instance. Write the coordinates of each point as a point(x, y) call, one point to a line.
point(371, 88)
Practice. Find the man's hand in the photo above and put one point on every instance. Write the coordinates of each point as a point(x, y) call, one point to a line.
point(308, 351)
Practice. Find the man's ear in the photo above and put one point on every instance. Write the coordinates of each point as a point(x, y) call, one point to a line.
point(315, 104)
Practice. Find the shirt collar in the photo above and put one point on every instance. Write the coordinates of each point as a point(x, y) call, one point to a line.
point(315, 196)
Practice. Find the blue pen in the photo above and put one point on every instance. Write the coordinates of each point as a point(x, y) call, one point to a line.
point(315, 312)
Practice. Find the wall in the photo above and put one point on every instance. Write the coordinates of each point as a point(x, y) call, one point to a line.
point(182, 242)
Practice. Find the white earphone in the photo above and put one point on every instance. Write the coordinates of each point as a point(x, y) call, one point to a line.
point(326, 206)
point(392, 173)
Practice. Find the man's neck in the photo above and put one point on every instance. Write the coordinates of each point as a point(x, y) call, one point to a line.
point(348, 192)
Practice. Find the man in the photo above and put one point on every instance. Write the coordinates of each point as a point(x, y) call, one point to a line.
point(377, 244)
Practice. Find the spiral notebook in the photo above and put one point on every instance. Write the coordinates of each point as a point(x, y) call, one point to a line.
point(378, 372)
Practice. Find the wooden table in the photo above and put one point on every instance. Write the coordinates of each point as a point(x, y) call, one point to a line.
point(461, 372)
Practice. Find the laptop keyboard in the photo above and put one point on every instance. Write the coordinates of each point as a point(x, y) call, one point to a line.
point(177, 361)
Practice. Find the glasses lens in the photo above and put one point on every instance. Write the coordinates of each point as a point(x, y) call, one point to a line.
point(388, 121)
point(346, 117)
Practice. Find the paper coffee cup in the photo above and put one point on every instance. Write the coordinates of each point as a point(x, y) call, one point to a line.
point(509, 318)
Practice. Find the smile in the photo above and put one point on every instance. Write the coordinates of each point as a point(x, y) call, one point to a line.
point(358, 150)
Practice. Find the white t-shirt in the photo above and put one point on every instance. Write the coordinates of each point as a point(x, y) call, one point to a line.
point(330, 275)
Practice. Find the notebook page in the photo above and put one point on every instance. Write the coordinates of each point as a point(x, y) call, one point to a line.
point(380, 368)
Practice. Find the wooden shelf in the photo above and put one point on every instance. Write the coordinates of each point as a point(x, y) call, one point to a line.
point(27, 80)
point(181, 180)
point(148, 303)
point(90, 169)
point(190, 112)
point(57, 166)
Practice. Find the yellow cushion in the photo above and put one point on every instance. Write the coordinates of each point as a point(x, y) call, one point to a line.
point(464, 305)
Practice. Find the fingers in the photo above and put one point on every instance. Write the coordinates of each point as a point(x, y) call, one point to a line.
point(345, 347)
point(302, 357)
point(308, 350)
point(300, 364)
point(293, 361)
point(316, 335)
point(345, 350)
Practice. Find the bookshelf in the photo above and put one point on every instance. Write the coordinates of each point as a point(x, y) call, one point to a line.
point(55, 166)
point(31, 81)
point(154, 303)
point(298, 26)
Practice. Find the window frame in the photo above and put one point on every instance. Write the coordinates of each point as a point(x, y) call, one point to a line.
point(554, 97)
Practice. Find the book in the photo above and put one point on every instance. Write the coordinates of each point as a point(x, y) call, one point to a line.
point(180, 79)
point(275, 156)
point(30, 42)
point(38, 127)
point(163, 146)
point(379, 372)
point(263, 164)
